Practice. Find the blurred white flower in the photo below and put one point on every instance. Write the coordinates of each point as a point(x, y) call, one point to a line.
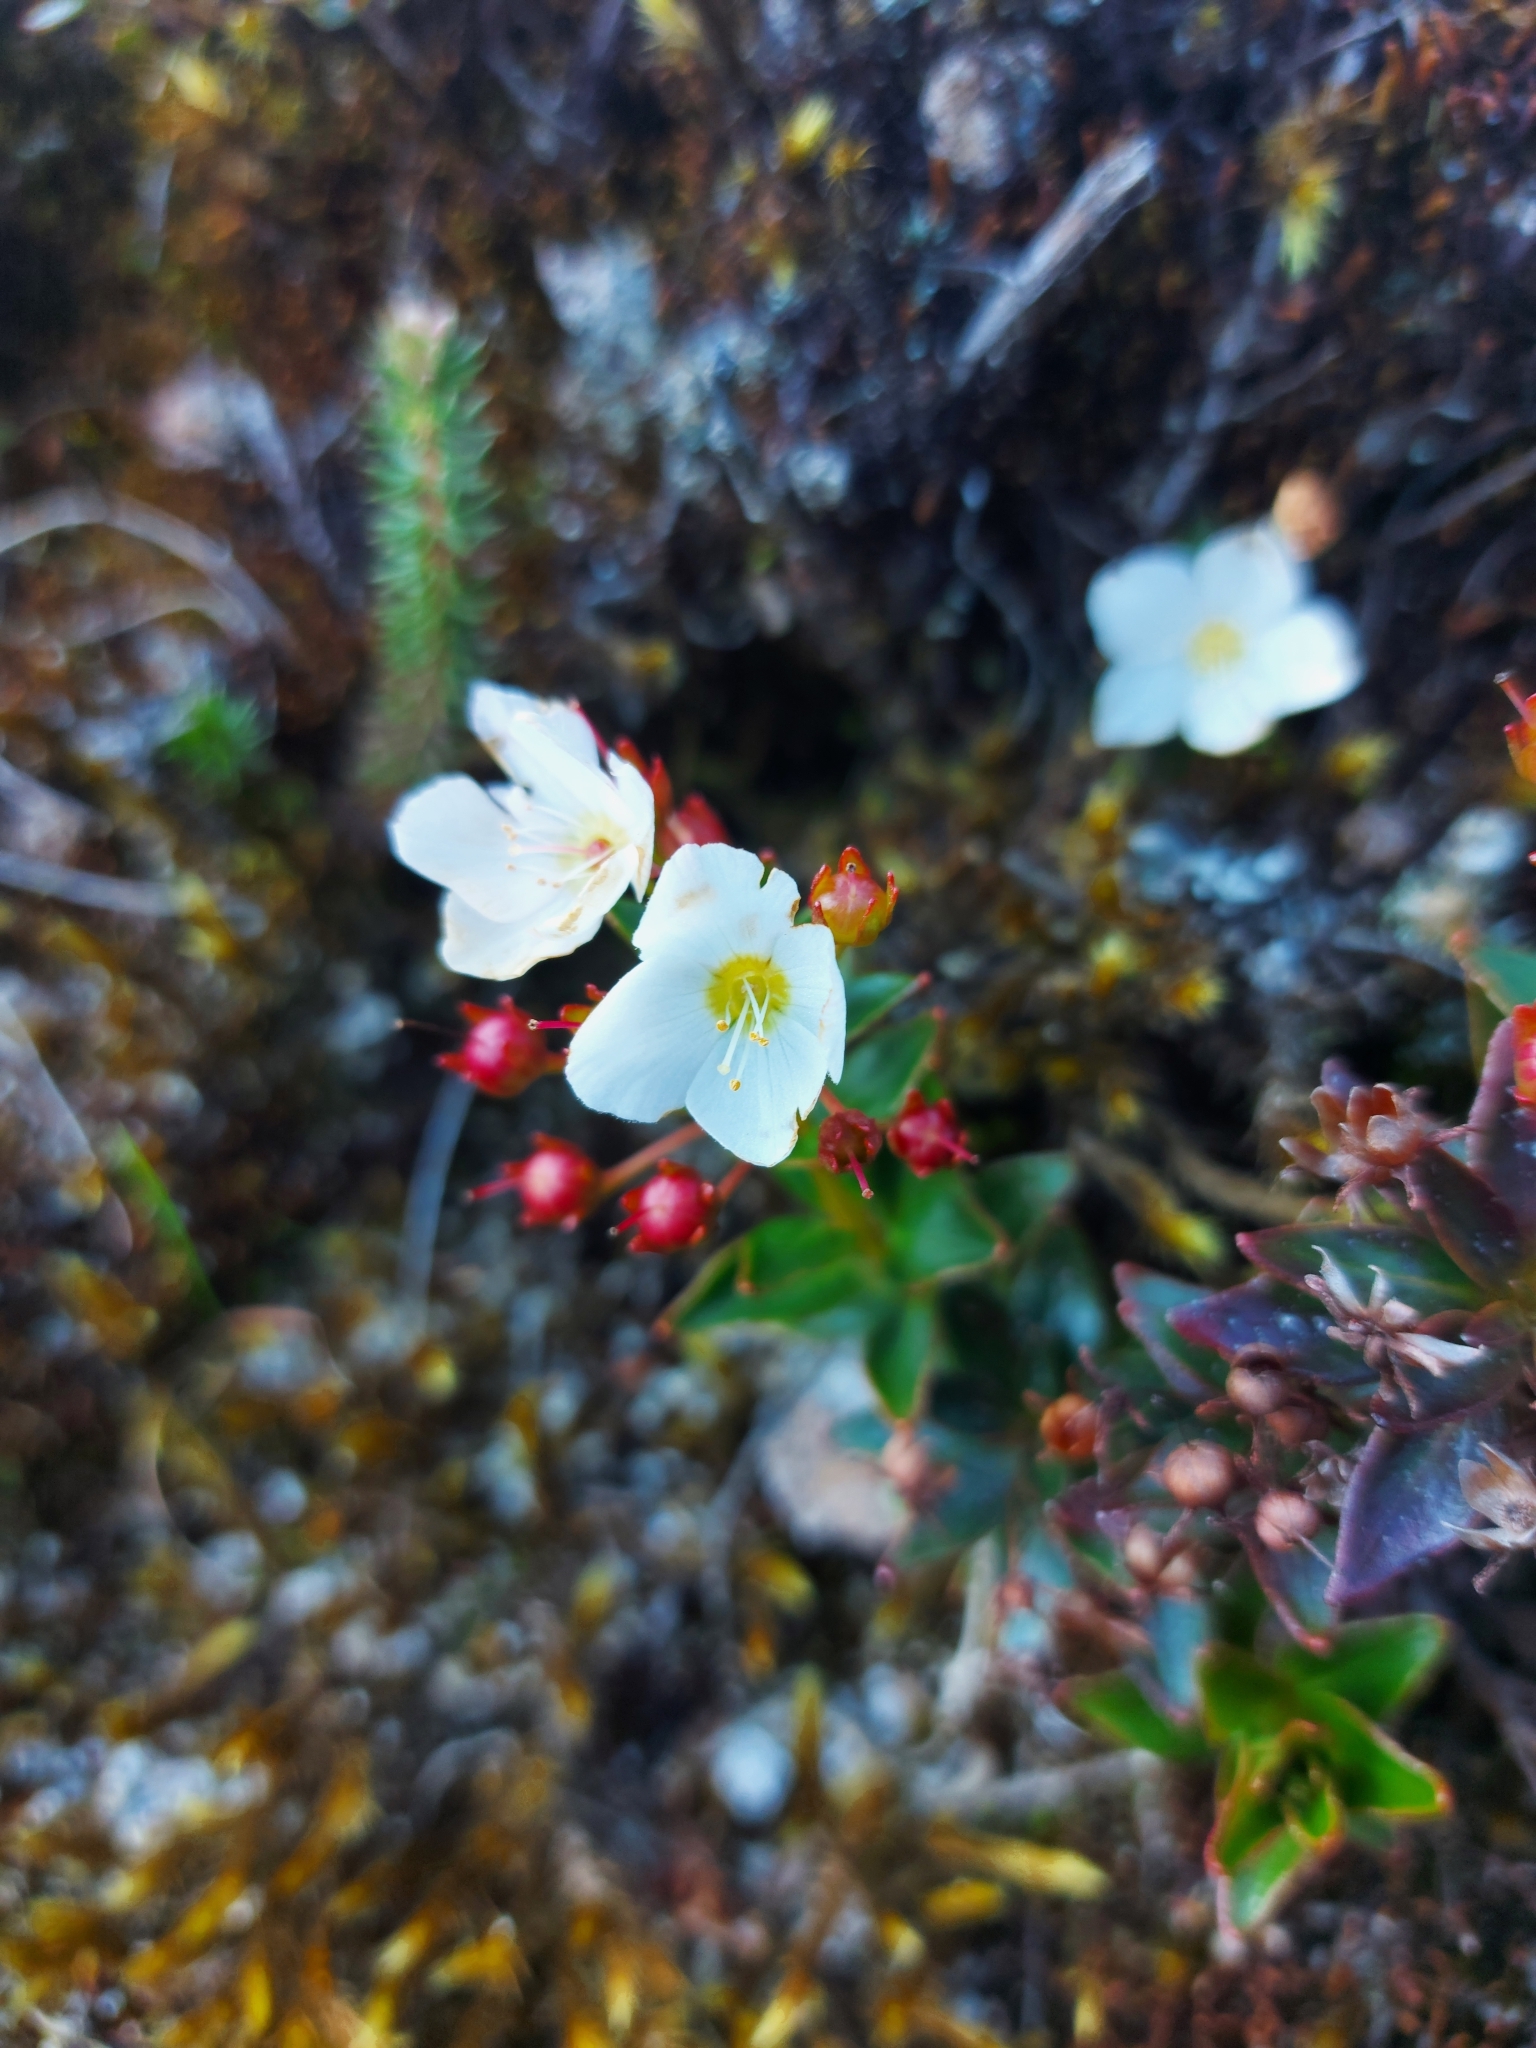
point(531, 866)
point(1214, 646)
point(735, 1012)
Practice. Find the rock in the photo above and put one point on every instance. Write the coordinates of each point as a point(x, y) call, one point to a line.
point(751, 1772)
point(829, 1498)
point(983, 106)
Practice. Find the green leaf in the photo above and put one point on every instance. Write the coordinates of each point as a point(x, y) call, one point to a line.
point(939, 1228)
point(899, 1350)
point(882, 1067)
point(793, 1270)
point(1265, 1875)
point(149, 1199)
point(1506, 973)
point(1472, 1224)
point(625, 916)
point(1374, 1774)
point(1378, 1666)
point(1241, 1697)
point(873, 996)
point(1022, 1191)
point(1116, 1706)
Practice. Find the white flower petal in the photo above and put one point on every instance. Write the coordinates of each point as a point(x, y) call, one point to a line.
point(454, 832)
point(497, 950)
point(640, 1049)
point(1226, 712)
point(758, 1120)
point(709, 892)
point(637, 808)
point(1140, 705)
point(1313, 657)
point(818, 1001)
point(1248, 578)
point(498, 715)
point(1142, 608)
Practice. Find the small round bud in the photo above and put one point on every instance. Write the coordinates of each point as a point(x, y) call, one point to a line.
point(1070, 1427)
point(557, 1183)
point(1283, 1519)
point(670, 1211)
point(502, 1051)
point(1308, 513)
point(847, 1141)
point(1199, 1475)
point(1298, 1423)
point(1144, 1552)
point(927, 1135)
point(1257, 1389)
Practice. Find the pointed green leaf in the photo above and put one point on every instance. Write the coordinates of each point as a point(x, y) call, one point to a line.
point(1022, 1191)
point(1115, 1706)
point(1146, 1299)
point(1374, 1774)
point(899, 1350)
point(881, 1068)
point(873, 996)
point(1507, 973)
point(1378, 1666)
point(1467, 1217)
point(1241, 1697)
point(1264, 1877)
point(940, 1228)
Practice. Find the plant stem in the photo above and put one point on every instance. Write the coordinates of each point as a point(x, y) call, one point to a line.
point(630, 1169)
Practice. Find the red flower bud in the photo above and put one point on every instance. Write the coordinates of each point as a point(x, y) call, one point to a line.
point(1070, 1428)
point(849, 901)
point(694, 822)
point(927, 1135)
point(1524, 1018)
point(848, 1139)
point(557, 1183)
point(502, 1051)
point(670, 1211)
point(1521, 733)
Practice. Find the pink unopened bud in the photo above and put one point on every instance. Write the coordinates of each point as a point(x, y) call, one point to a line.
point(927, 1135)
point(670, 1211)
point(1282, 1519)
point(556, 1183)
point(502, 1051)
point(1523, 1017)
point(849, 901)
point(848, 1140)
point(1070, 1428)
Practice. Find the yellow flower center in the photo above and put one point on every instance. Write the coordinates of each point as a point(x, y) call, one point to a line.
point(1216, 645)
point(745, 994)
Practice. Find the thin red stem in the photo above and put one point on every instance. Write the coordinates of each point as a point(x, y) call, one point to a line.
point(731, 1181)
point(630, 1169)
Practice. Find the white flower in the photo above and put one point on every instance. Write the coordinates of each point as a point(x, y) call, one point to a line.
point(735, 1012)
point(1214, 646)
point(531, 866)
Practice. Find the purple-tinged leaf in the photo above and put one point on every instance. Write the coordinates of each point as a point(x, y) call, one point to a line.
point(1405, 1501)
point(1417, 1270)
point(1282, 1319)
point(1441, 1378)
point(1468, 1218)
point(1502, 1142)
point(1146, 1299)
